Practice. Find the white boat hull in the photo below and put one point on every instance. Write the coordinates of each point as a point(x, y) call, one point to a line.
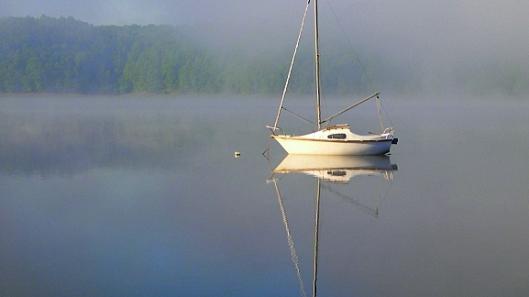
point(304, 146)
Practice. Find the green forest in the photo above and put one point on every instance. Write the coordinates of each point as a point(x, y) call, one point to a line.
point(64, 55)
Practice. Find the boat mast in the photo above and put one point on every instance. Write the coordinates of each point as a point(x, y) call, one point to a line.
point(317, 63)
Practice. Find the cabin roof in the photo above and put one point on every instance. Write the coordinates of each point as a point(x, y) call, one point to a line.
point(339, 126)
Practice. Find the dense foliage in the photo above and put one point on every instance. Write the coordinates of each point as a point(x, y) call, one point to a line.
point(65, 55)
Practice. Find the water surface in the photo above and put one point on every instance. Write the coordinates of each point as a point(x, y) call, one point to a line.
point(139, 196)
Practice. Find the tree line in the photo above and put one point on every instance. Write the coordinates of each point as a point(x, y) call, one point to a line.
point(47, 54)
point(64, 55)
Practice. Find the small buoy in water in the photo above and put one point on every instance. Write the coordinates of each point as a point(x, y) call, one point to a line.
point(237, 154)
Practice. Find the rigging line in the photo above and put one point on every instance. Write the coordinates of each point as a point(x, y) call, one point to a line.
point(361, 64)
point(382, 193)
point(379, 114)
point(390, 184)
point(350, 43)
point(297, 115)
point(386, 114)
point(293, 254)
point(369, 210)
point(388, 176)
point(350, 107)
point(291, 67)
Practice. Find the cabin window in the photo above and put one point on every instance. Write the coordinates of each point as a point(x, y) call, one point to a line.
point(336, 136)
point(337, 173)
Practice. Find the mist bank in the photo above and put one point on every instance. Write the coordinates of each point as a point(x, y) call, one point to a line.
point(64, 55)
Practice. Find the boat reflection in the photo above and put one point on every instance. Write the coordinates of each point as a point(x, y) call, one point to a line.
point(338, 169)
point(326, 170)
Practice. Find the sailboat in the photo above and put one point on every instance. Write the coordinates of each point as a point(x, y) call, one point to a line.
point(329, 139)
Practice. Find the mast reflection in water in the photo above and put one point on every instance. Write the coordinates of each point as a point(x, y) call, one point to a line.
point(327, 170)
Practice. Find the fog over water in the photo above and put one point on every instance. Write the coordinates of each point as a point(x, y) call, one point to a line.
point(141, 196)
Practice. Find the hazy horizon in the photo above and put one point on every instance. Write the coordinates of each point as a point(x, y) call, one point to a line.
point(439, 44)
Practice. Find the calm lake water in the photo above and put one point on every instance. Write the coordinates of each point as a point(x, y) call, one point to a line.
point(140, 196)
